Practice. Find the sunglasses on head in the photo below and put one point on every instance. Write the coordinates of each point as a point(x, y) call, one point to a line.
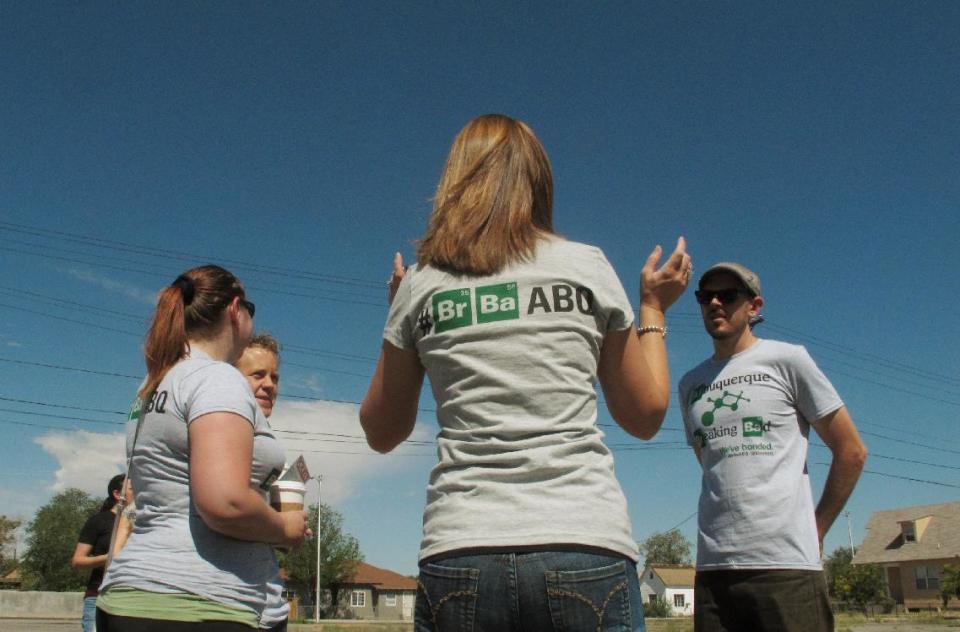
point(726, 296)
point(251, 308)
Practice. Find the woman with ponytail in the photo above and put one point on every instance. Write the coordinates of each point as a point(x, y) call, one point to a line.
point(202, 457)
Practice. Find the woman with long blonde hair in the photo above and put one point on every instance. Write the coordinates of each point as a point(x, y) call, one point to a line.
point(202, 457)
point(525, 526)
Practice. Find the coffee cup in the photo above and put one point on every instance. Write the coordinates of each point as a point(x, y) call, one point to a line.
point(287, 495)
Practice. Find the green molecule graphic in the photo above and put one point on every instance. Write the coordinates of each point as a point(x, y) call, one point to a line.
point(707, 418)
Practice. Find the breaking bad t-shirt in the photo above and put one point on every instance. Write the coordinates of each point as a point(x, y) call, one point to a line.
point(512, 361)
point(172, 550)
point(750, 416)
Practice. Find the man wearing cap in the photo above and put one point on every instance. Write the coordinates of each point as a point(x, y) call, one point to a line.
point(747, 411)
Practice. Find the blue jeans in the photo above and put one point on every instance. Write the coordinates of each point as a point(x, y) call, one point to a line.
point(563, 591)
point(89, 620)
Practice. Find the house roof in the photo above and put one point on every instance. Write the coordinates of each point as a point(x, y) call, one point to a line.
point(380, 578)
point(675, 576)
point(13, 577)
point(884, 540)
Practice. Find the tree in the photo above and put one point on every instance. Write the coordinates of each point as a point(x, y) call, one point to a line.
point(861, 584)
point(836, 566)
point(670, 547)
point(950, 583)
point(8, 533)
point(339, 553)
point(51, 539)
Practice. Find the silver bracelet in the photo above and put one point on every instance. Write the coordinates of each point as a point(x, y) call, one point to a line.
point(648, 328)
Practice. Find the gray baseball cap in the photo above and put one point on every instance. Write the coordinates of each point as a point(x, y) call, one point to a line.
point(749, 279)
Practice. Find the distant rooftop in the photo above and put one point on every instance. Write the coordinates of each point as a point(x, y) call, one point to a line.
point(935, 527)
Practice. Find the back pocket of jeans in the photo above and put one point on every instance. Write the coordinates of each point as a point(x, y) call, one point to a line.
point(590, 599)
point(447, 598)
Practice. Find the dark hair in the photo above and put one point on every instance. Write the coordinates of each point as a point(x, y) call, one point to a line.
point(115, 485)
point(190, 306)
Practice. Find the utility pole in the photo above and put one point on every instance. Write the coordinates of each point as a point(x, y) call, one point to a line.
point(850, 533)
point(316, 604)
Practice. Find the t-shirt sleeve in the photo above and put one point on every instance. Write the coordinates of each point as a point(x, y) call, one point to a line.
point(610, 297)
point(89, 532)
point(816, 396)
point(217, 388)
point(399, 328)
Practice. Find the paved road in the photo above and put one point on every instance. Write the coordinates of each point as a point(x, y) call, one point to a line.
point(37, 625)
point(903, 627)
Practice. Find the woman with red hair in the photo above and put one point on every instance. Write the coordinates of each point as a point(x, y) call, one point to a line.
point(202, 457)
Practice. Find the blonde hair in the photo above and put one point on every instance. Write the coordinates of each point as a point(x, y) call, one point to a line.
point(494, 200)
point(265, 340)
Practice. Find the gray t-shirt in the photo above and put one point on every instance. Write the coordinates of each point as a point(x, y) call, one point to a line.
point(512, 361)
point(750, 415)
point(171, 549)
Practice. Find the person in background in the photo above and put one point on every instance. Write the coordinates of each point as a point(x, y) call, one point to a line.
point(202, 456)
point(260, 365)
point(748, 410)
point(93, 546)
point(526, 527)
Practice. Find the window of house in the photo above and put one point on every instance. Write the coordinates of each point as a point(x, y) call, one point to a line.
point(678, 600)
point(358, 599)
point(653, 598)
point(909, 532)
point(390, 600)
point(927, 578)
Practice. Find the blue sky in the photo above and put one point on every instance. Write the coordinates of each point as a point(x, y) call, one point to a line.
point(299, 144)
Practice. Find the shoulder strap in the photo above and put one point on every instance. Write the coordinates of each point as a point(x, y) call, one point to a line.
point(141, 412)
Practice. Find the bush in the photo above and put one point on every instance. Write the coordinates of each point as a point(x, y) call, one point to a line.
point(657, 608)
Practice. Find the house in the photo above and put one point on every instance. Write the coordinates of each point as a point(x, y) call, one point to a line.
point(670, 583)
point(11, 581)
point(376, 593)
point(912, 545)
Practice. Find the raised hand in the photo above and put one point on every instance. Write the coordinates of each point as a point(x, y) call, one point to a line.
point(399, 270)
point(660, 288)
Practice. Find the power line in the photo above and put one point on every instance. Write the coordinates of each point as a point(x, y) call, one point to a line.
point(875, 455)
point(101, 257)
point(65, 406)
point(64, 417)
point(873, 358)
point(166, 276)
point(72, 320)
point(682, 522)
point(139, 249)
point(913, 443)
point(71, 368)
point(36, 296)
point(903, 478)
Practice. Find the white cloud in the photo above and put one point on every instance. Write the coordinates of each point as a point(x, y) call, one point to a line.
point(341, 455)
point(9, 341)
point(129, 290)
point(87, 459)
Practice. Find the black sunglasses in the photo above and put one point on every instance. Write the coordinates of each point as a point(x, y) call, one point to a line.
point(251, 308)
point(727, 296)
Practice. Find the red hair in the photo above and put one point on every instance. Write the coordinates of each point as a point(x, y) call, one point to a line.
point(190, 307)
